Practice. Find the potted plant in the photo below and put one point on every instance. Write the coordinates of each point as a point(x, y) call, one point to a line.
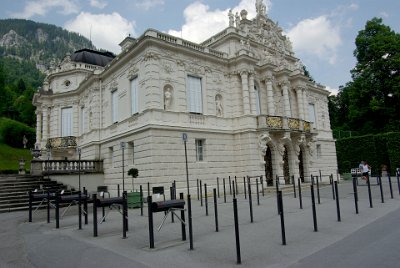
point(134, 172)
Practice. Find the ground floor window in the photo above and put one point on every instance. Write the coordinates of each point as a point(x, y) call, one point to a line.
point(199, 149)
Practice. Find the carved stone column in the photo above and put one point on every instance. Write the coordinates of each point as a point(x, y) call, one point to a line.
point(45, 124)
point(245, 88)
point(305, 104)
point(285, 88)
point(252, 94)
point(300, 101)
point(270, 95)
point(38, 127)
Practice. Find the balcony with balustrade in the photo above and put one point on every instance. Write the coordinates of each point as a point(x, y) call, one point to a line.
point(282, 123)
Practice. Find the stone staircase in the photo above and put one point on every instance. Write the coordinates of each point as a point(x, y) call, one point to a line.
point(14, 190)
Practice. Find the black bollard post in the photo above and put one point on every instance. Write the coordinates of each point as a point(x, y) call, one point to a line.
point(318, 196)
point(171, 191)
point(119, 194)
point(244, 188)
point(150, 219)
point(355, 193)
point(277, 189)
point(258, 193)
point(234, 191)
point(57, 211)
point(390, 186)
point(333, 187)
point(124, 214)
point(48, 207)
point(148, 188)
point(398, 181)
point(141, 200)
point(300, 197)
point(198, 191)
point(250, 201)
point(320, 176)
point(183, 225)
point(216, 210)
point(201, 194)
point(381, 189)
point(369, 192)
point(282, 218)
point(223, 181)
point(85, 205)
point(262, 185)
point(94, 215)
point(230, 185)
point(190, 222)
point(80, 210)
point(236, 186)
point(218, 186)
point(337, 201)
point(294, 186)
point(235, 213)
point(206, 198)
point(313, 206)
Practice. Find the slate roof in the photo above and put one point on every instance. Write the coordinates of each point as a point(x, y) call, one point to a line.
point(92, 57)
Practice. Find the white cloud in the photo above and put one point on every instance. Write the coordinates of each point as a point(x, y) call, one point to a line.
point(98, 3)
point(201, 22)
point(107, 30)
point(42, 7)
point(147, 4)
point(316, 37)
point(334, 91)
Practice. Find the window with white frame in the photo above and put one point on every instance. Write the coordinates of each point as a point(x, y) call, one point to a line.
point(134, 96)
point(199, 149)
point(257, 94)
point(114, 106)
point(311, 114)
point(66, 121)
point(195, 102)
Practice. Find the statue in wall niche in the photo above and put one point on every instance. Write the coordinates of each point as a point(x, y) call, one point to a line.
point(218, 105)
point(167, 98)
point(231, 18)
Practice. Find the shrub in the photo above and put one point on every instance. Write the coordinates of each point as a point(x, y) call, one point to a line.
point(12, 133)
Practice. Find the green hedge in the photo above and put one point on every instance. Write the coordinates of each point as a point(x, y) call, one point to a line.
point(375, 149)
point(12, 133)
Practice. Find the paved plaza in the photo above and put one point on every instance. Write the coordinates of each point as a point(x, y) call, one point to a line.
point(367, 239)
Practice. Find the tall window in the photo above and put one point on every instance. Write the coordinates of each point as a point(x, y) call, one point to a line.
point(319, 151)
point(134, 96)
point(114, 106)
point(66, 121)
point(257, 94)
point(199, 149)
point(194, 95)
point(112, 156)
point(311, 114)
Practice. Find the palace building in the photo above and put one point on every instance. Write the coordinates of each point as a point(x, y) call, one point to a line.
point(241, 97)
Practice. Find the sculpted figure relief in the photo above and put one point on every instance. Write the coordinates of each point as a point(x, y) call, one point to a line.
point(218, 105)
point(167, 98)
point(231, 18)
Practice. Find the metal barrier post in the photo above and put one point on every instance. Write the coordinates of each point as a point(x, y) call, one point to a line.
point(250, 201)
point(206, 198)
point(381, 189)
point(390, 185)
point(313, 207)
point(94, 215)
point(150, 218)
point(369, 192)
point(337, 201)
point(183, 223)
point(216, 210)
point(258, 194)
point(282, 218)
point(300, 197)
point(190, 222)
point(235, 213)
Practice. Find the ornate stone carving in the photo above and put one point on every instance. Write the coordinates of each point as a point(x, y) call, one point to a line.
point(307, 126)
point(294, 123)
point(274, 122)
point(219, 107)
point(168, 94)
point(263, 140)
point(231, 18)
point(150, 55)
point(132, 72)
point(113, 83)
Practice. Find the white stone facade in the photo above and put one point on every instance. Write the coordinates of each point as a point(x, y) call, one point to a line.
point(250, 96)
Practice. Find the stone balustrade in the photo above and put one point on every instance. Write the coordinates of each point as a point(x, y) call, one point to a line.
point(47, 167)
point(283, 123)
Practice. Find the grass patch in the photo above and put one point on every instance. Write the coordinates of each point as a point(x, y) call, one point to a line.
point(9, 158)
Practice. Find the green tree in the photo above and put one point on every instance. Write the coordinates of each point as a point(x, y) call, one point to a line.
point(369, 103)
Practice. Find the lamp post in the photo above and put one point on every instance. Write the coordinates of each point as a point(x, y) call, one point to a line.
point(184, 138)
point(79, 167)
point(123, 166)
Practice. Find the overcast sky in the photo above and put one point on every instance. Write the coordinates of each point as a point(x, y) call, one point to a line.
point(322, 31)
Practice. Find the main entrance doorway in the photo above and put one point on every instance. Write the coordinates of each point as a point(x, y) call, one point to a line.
point(268, 167)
